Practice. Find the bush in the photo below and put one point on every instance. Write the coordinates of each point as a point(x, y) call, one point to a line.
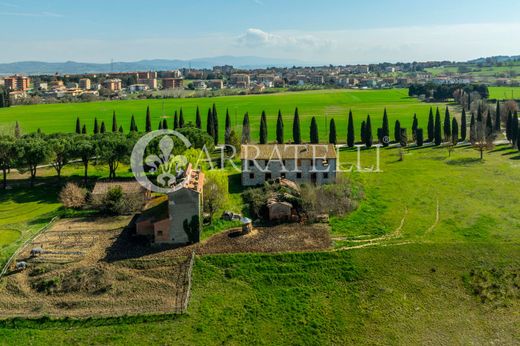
point(72, 196)
point(113, 201)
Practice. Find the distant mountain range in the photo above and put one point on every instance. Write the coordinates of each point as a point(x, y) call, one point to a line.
point(72, 67)
point(498, 58)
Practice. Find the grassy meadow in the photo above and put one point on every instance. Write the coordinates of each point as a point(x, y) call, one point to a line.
point(416, 286)
point(504, 93)
point(325, 104)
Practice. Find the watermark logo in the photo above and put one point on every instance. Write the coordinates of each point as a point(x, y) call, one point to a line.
point(160, 162)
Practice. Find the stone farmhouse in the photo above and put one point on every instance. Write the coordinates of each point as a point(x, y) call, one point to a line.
point(177, 220)
point(301, 163)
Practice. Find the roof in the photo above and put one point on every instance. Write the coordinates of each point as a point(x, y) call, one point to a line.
point(287, 151)
point(102, 187)
point(194, 180)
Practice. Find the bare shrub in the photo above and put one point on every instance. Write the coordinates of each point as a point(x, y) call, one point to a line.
point(72, 196)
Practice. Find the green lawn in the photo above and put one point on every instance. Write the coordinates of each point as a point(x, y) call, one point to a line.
point(325, 104)
point(504, 93)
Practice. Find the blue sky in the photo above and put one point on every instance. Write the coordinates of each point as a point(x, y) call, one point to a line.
point(326, 31)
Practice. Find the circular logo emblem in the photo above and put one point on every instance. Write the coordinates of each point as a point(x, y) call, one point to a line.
point(159, 161)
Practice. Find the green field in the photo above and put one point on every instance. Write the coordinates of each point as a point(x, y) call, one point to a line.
point(504, 93)
point(415, 288)
point(324, 104)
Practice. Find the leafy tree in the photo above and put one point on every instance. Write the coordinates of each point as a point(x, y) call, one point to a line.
point(78, 125)
point(198, 138)
point(438, 135)
point(84, 129)
point(297, 138)
point(113, 149)
point(103, 128)
point(215, 123)
point(192, 229)
point(463, 126)
point(96, 126)
point(315, 139)
point(351, 137)
point(498, 118)
point(263, 128)
point(279, 128)
point(215, 192)
point(60, 150)
point(227, 128)
point(8, 154)
point(84, 148)
point(482, 139)
point(246, 130)
point(133, 125)
point(148, 120)
point(175, 121)
point(454, 131)
point(34, 150)
point(415, 125)
point(431, 126)
point(332, 132)
point(181, 119)
point(419, 137)
point(114, 122)
point(447, 125)
point(385, 131)
point(234, 141)
point(397, 131)
point(198, 120)
point(368, 133)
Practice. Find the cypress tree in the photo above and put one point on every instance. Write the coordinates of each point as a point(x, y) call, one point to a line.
point(415, 126)
point(263, 129)
point(420, 137)
point(438, 135)
point(246, 130)
point(297, 138)
point(121, 129)
point(210, 126)
point(363, 132)
point(279, 128)
point(480, 117)
point(332, 132)
point(515, 131)
point(215, 123)
point(489, 125)
point(463, 126)
point(431, 126)
point(227, 133)
point(175, 121)
point(114, 122)
point(181, 119)
point(498, 118)
point(509, 127)
point(315, 139)
point(380, 135)
point(454, 131)
point(133, 125)
point(164, 124)
point(385, 131)
point(351, 137)
point(96, 126)
point(84, 129)
point(148, 120)
point(103, 128)
point(397, 131)
point(447, 125)
point(472, 128)
point(78, 126)
point(160, 125)
point(368, 133)
point(198, 120)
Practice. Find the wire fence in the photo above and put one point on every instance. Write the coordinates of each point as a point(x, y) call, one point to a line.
point(183, 284)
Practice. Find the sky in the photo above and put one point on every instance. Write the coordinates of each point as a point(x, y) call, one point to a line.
point(324, 31)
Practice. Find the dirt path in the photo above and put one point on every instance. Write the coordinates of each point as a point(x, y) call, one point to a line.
point(437, 219)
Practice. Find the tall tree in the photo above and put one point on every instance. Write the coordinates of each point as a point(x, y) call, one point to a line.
point(96, 126)
point(210, 126)
point(114, 122)
point(181, 119)
point(297, 138)
point(385, 131)
point(454, 131)
point(84, 129)
point(515, 131)
point(84, 148)
point(215, 122)
point(463, 126)
point(447, 125)
point(368, 133)
point(438, 129)
point(175, 121)
point(164, 124)
point(431, 126)
point(279, 128)
point(148, 120)
point(78, 126)
point(34, 151)
point(472, 128)
point(363, 132)
point(121, 129)
point(227, 133)
point(315, 139)
point(198, 120)
point(498, 118)
point(332, 132)
point(103, 128)
point(397, 131)
point(420, 137)
point(351, 137)
point(133, 125)
point(263, 129)
point(415, 126)
point(246, 130)
point(160, 125)
point(60, 150)
point(509, 126)
point(17, 130)
point(8, 154)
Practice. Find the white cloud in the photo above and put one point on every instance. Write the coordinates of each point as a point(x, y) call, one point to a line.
point(258, 38)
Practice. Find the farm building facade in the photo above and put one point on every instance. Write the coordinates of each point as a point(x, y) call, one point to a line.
point(301, 163)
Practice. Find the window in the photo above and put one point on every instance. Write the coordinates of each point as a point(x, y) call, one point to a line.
point(159, 233)
point(325, 175)
point(282, 175)
point(251, 163)
point(266, 162)
point(298, 175)
point(251, 175)
point(267, 176)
